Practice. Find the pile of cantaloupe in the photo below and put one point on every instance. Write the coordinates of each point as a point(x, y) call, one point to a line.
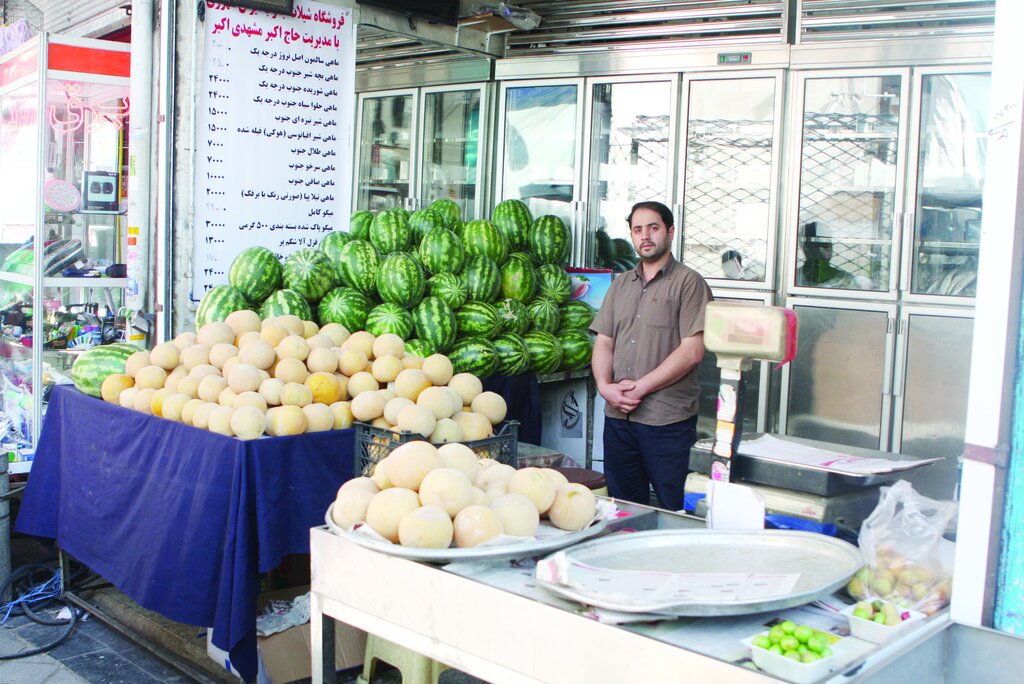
point(245, 377)
point(432, 497)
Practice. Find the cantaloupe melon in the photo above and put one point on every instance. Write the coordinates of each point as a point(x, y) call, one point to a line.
point(446, 488)
point(387, 508)
point(476, 524)
point(427, 527)
point(573, 507)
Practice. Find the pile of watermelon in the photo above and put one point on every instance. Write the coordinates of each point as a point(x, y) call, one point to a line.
point(492, 295)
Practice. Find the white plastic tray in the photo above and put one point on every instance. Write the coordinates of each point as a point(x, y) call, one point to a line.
point(549, 538)
point(798, 673)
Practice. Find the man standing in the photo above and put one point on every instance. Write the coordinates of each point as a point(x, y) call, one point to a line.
point(650, 341)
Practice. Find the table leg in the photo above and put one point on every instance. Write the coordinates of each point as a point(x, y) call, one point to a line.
point(321, 632)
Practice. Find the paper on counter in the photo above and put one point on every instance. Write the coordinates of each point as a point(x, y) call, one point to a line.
point(771, 448)
point(644, 587)
point(734, 507)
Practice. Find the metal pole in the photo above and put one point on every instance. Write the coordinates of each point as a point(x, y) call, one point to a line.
point(5, 528)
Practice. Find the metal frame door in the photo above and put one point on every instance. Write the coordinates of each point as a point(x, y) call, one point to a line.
point(413, 142)
point(586, 257)
point(790, 234)
point(778, 76)
point(577, 219)
point(483, 140)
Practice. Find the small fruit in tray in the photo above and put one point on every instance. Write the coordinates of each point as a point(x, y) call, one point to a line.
point(797, 642)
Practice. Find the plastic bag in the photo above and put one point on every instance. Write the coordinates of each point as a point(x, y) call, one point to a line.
point(900, 544)
point(520, 17)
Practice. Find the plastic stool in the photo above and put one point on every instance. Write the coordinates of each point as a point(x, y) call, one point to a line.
point(591, 479)
point(416, 668)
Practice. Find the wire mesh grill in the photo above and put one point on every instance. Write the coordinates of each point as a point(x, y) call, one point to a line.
point(847, 189)
point(15, 10)
point(722, 164)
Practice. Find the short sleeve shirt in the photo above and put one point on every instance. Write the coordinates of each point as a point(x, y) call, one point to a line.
point(647, 322)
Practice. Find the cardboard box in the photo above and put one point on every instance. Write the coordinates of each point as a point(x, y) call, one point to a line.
point(287, 656)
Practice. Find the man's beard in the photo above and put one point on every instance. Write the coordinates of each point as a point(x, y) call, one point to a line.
point(656, 254)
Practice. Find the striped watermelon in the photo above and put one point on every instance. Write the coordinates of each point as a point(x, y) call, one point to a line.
point(217, 303)
point(554, 283)
point(94, 365)
point(513, 219)
point(450, 212)
point(389, 232)
point(422, 222)
point(476, 319)
point(346, 306)
point(441, 251)
point(434, 322)
point(484, 238)
point(310, 273)
point(549, 240)
point(545, 315)
point(401, 212)
point(474, 355)
point(576, 315)
point(418, 347)
point(256, 272)
point(359, 225)
point(286, 302)
point(448, 287)
point(512, 317)
point(518, 278)
point(577, 347)
point(331, 246)
point(482, 279)
point(545, 351)
point(513, 357)
point(400, 280)
point(389, 318)
point(357, 263)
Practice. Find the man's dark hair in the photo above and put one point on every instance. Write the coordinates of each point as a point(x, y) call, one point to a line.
point(664, 212)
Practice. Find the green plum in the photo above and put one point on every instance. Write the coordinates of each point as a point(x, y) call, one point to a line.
point(789, 643)
point(788, 626)
point(817, 643)
point(792, 655)
point(776, 634)
point(803, 633)
point(809, 657)
point(775, 648)
point(762, 641)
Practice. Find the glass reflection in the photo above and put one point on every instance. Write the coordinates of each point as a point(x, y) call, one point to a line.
point(451, 133)
point(384, 166)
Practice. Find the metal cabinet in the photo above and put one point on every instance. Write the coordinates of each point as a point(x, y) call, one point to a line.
point(419, 145)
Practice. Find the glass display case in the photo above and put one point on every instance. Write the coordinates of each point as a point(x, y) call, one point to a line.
point(63, 150)
point(385, 146)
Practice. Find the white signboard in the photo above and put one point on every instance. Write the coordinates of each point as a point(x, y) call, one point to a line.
point(275, 121)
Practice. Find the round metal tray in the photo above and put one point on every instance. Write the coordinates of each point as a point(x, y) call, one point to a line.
point(549, 539)
point(825, 564)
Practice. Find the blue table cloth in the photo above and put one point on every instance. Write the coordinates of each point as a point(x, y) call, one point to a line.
point(522, 396)
point(180, 519)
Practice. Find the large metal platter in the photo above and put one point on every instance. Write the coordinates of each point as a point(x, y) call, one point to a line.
point(825, 564)
point(548, 539)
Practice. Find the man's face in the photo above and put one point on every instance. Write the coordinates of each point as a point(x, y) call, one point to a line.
point(652, 239)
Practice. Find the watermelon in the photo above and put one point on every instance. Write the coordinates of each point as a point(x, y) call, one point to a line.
point(310, 273)
point(422, 222)
point(484, 238)
point(448, 287)
point(518, 279)
point(576, 316)
point(94, 365)
point(434, 322)
point(359, 225)
point(256, 272)
point(418, 347)
point(513, 219)
point(549, 240)
point(389, 232)
point(512, 317)
point(476, 319)
point(346, 306)
point(357, 263)
point(450, 212)
point(513, 357)
point(331, 246)
point(217, 303)
point(389, 318)
point(554, 283)
point(441, 251)
point(474, 355)
point(481, 278)
point(400, 280)
point(545, 351)
point(544, 314)
point(286, 302)
point(577, 347)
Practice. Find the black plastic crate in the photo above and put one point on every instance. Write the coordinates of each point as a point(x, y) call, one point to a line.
point(374, 443)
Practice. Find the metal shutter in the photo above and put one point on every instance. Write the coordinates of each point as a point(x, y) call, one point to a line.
point(823, 20)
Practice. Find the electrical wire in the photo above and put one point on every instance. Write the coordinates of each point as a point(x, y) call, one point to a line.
point(31, 592)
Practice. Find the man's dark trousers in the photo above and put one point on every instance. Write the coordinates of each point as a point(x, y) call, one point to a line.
point(637, 456)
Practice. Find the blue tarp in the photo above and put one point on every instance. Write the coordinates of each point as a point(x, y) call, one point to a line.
point(180, 519)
